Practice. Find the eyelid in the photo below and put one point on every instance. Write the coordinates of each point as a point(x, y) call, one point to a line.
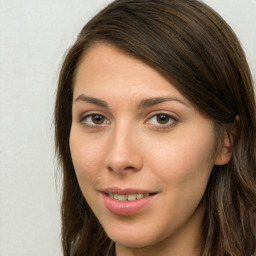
point(164, 112)
point(92, 113)
point(163, 126)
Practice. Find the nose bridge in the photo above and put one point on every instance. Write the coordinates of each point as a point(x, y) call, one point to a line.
point(124, 150)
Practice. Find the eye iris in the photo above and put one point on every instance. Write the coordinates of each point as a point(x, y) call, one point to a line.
point(97, 119)
point(162, 119)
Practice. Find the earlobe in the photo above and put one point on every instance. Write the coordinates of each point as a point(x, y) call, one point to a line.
point(225, 153)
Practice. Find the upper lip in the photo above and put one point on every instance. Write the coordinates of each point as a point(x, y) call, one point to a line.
point(122, 191)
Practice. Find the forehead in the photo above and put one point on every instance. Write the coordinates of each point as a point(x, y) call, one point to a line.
point(106, 68)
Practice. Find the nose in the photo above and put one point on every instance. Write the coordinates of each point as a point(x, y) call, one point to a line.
point(124, 155)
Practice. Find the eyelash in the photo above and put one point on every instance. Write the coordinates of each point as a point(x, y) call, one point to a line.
point(93, 115)
point(171, 120)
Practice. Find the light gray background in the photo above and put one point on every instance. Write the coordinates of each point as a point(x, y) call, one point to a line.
point(34, 34)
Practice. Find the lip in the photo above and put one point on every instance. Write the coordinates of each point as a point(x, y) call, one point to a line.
point(126, 207)
point(122, 191)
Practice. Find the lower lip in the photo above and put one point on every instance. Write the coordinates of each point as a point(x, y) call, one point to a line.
point(125, 207)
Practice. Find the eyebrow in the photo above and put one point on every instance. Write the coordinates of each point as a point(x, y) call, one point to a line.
point(92, 100)
point(143, 104)
point(157, 100)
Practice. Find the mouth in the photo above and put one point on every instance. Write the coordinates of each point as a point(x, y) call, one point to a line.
point(129, 197)
point(127, 201)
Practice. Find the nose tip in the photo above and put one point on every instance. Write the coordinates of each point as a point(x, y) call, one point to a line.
point(124, 154)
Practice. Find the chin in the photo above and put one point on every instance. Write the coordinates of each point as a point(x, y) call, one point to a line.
point(130, 242)
point(133, 239)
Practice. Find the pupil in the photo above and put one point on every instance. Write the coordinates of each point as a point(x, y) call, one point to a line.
point(98, 119)
point(162, 119)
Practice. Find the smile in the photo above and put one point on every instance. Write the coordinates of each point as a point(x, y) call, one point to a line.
point(127, 202)
point(128, 197)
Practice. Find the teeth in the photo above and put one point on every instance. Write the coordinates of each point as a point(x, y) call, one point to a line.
point(122, 197)
point(139, 196)
point(127, 197)
point(132, 197)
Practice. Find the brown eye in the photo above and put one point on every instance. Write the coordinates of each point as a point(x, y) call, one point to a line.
point(98, 119)
point(162, 118)
point(95, 119)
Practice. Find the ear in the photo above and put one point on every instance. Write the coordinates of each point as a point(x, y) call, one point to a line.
point(225, 153)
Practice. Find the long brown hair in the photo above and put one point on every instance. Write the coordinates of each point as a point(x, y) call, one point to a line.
point(194, 48)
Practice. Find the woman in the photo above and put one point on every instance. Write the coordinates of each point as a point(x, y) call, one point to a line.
point(155, 133)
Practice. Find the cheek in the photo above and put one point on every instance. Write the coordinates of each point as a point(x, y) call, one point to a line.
point(86, 156)
point(184, 159)
point(183, 167)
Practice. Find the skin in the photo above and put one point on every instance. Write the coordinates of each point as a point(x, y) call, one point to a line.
point(128, 146)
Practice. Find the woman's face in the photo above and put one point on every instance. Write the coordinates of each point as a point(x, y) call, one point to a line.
point(142, 153)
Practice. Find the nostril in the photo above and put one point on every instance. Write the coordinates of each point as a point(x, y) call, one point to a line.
point(121, 169)
point(120, 160)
